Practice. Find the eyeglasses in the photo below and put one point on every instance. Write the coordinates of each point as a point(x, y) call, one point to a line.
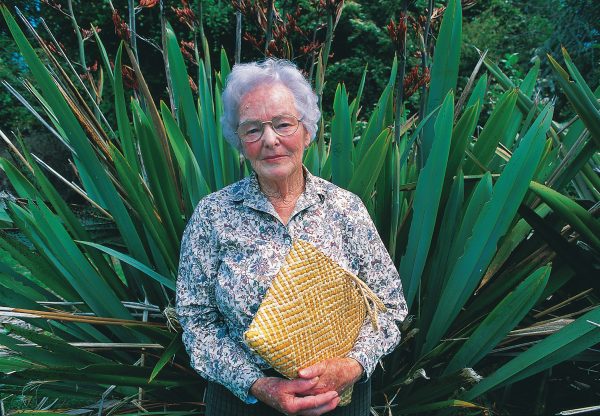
point(252, 130)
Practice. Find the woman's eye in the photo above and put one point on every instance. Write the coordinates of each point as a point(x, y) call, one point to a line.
point(252, 130)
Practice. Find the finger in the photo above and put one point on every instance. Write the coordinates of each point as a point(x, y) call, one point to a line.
point(307, 403)
point(301, 386)
point(313, 371)
point(327, 407)
point(320, 388)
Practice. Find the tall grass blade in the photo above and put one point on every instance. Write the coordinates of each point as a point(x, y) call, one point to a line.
point(444, 70)
point(369, 168)
point(581, 98)
point(195, 184)
point(57, 346)
point(510, 242)
point(160, 184)
point(526, 87)
point(355, 105)
point(125, 136)
point(502, 319)
point(378, 120)
point(209, 128)
point(493, 131)
point(342, 161)
point(427, 197)
point(573, 213)
point(434, 275)
point(461, 136)
point(576, 337)
point(446, 404)
point(169, 353)
point(167, 282)
point(491, 225)
point(478, 94)
point(101, 188)
point(184, 102)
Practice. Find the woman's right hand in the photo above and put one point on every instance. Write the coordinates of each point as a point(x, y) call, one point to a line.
point(287, 396)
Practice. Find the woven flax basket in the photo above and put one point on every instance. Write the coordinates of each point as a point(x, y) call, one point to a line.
point(313, 311)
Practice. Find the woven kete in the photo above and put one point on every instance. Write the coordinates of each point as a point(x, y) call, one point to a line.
point(313, 311)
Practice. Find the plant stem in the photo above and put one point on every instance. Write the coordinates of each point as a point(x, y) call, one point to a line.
point(143, 354)
point(320, 81)
point(400, 79)
point(269, 32)
point(79, 38)
point(132, 28)
point(92, 97)
point(424, 91)
point(314, 54)
point(424, 57)
point(82, 61)
point(327, 46)
point(163, 35)
point(238, 36)
point(205, 49)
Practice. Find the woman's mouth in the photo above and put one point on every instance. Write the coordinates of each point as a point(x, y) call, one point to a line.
point(274, 158)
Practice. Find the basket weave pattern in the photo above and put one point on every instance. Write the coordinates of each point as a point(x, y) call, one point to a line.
point(313, 311)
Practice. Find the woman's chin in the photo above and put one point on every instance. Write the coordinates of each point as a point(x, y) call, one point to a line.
point(275, 171)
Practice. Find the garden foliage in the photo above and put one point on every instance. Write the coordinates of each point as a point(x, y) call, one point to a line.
point(486, 218)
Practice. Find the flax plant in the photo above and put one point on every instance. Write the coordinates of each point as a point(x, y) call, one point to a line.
point(483, 229)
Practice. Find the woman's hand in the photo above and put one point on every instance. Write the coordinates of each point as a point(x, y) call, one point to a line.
point(292, 397)
point(334, 374)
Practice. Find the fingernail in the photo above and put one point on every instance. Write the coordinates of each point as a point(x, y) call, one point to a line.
point(314, 380)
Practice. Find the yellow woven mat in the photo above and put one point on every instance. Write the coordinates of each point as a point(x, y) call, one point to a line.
point(313, 311)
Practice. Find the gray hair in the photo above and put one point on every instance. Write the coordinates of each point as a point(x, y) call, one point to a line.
point(246, 77)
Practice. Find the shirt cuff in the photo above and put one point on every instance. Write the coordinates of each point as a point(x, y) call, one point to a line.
point(247, 397)
point(250, 399)
point(363, 359)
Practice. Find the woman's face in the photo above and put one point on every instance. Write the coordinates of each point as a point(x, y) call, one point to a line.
point(273, 157)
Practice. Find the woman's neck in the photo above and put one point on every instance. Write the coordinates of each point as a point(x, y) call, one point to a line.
point(283, 191)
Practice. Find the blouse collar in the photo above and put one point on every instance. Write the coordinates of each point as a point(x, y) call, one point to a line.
point(249, 192)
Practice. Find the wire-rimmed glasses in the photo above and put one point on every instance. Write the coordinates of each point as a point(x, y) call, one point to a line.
point(283, 125)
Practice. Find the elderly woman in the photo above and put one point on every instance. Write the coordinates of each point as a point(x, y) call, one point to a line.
point(238, 238)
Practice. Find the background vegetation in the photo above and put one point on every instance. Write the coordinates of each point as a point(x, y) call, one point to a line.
point(484, 188)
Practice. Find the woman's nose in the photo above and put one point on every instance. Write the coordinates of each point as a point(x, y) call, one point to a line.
point(269, 136)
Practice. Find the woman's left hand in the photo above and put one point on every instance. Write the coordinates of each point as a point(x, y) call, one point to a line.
point(334, 374)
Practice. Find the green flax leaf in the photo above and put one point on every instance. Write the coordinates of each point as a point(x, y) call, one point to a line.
point(576, 337)
point(492, 223)
point(169, 283)
point(502, 319)
point(427, 199)
point(573, 213)
point(342, 164)
point(444, 70)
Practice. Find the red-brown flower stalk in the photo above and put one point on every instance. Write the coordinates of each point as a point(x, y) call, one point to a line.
point(185, 15)
point(187, 50)
point(86, 34)
point(415, 80)
point(397, 33)
point(147, 3)
point(121, 28)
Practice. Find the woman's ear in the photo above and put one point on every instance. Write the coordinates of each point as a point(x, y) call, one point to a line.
point(306, 138)
point(241, 148)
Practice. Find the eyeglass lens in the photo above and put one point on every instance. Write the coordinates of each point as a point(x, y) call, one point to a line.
point(252, 130)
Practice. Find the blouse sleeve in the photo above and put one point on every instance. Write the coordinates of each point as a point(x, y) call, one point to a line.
point(378, 271)
point(213, 352)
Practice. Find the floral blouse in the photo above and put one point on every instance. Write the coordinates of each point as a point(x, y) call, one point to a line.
point(235, 243)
